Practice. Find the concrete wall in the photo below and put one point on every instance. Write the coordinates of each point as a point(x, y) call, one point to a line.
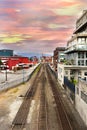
point(71, 95)
point(81, 100)
point(60, 73)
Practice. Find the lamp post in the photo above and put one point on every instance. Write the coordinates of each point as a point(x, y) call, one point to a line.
point(23, 72)
point(6, 72)
point(5, 66)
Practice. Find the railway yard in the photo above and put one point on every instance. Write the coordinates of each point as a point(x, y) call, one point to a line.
point(39, 104)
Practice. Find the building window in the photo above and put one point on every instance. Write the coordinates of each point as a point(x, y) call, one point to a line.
point(66, 72)
point(86, 54)
point(72, 72)
point(79, 72)
point(83, 40)
point(85, 73)
point(86, 40)
point(86, 62)
point(81, 62)
point(80, 54)
point(78, 62)
point(79, 40)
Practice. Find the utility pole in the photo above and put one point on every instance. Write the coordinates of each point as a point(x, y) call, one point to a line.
point(23, 72)
point(5, 67)
point(6, 72)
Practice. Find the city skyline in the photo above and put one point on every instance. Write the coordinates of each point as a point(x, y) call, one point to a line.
point(38, 26)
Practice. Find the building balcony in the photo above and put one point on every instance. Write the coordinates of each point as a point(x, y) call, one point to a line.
point(81, 22)
point(77, 47)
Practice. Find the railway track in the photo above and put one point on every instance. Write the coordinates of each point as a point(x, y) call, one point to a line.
point(19, 121)
point(61, 113)
point(42, 118)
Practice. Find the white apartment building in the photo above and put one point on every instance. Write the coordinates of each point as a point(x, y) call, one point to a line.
point(76, 50)
point(76, 67)
point(71, 71)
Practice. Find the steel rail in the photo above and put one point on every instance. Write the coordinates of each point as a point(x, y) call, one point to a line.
point(42, 115)
point(61, 113)
point(20, 119)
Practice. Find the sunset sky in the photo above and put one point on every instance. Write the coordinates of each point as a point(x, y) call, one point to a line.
point(38, 26)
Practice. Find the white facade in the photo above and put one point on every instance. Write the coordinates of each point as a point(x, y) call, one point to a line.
point(61, 56)
point(81, 99)
point(61, 73)
point(70, 71)
point(76, 49)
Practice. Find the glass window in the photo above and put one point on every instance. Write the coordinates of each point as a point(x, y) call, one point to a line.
point(80, 54)
point(80, 62)
point(79, 40)
point(86, 54)
point(66, 72)
point(83, 40)
point(86, 62)
point(72, 72)
point(79, 72)
point(85, 73)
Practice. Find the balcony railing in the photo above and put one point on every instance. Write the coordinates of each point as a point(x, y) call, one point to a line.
point(69, 84)
point(77, 47)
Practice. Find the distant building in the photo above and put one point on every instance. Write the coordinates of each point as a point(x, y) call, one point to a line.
point(46, 59)
point(11, 61)
point(6, 52)
point(58, 56)
point(15, 61)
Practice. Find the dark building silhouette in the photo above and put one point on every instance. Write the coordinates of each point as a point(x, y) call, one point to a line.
point(6, 52)
point(58, 56)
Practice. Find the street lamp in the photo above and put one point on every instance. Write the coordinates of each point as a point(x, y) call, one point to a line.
point(5, 67)
point(22, 65)
point(23, 72)
point(6, 72)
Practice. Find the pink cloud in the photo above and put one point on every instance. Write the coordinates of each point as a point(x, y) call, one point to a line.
point(34, 17)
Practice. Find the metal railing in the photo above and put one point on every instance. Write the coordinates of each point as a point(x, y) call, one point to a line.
point(70, 85)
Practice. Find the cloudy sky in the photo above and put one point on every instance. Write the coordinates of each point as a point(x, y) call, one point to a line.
point(38, 26)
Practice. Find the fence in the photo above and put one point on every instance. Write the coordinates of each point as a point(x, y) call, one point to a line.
point(18, 81)
point(70, 85)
